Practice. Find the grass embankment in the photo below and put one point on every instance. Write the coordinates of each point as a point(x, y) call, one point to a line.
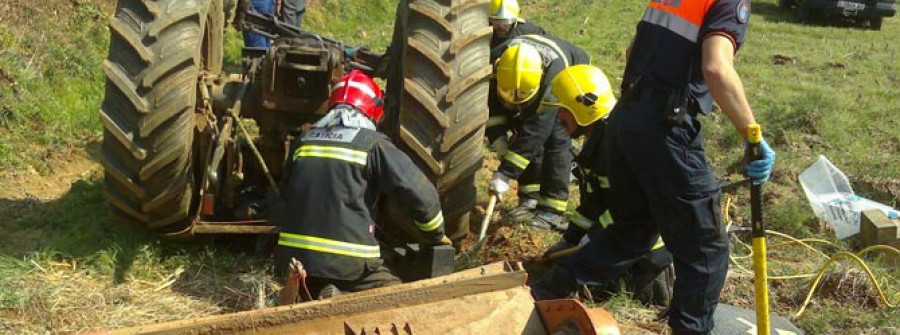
point(64, 267)
point(50, 80)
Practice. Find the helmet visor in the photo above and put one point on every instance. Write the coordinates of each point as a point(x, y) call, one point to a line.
point(516, 96)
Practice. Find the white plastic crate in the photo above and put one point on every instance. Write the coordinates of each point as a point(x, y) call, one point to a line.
point(832, 199)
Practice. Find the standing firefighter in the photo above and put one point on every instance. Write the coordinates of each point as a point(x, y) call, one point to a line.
point(647, 279)
point(680, 60)
point(507, 24)
point(539, 154)
point(335, 173)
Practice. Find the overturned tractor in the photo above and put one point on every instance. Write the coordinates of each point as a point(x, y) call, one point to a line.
point(177, 153)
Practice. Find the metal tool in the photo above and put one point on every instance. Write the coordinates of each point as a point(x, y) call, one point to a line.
point(487, 218)
point(482, 231)
point(557, 255)
point(758, 232)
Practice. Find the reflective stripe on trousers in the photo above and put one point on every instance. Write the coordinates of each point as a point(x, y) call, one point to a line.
point(554, 204)
point(516, 160)
point(530, 188)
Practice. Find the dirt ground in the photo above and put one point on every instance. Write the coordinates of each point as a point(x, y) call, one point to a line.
point(27, 191)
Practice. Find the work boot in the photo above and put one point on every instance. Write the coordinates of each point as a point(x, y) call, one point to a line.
point(547, 220)
point(524, 211)
point(329, 291)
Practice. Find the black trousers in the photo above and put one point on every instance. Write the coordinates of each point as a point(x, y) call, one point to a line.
point(550, 169)
point(292, 11)
point(374, 275)
point(661, 185)
point(375, 278)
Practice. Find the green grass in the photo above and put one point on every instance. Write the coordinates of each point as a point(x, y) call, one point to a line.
point(59, 85)
point(835, 95)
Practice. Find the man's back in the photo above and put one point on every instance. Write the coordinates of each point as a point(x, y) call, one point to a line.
point(329, 200)
point(665, 53)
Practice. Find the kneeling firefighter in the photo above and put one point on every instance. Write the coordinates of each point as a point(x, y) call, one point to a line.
point(586, 98)
point(335, 173)
point(539, 154)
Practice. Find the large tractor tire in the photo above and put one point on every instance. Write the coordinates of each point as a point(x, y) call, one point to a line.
point(441, 48)
point(158, 49)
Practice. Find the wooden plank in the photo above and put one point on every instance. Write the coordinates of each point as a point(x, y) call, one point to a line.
point(327, 313)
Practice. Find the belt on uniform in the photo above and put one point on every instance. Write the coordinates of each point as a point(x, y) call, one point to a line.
point(638, 90)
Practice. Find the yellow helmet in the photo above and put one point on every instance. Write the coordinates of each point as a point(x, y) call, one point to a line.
point(507, 10)
point(519, 71)
point(585, 91)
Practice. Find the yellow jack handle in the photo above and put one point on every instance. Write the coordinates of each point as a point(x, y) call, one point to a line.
point(760, 270)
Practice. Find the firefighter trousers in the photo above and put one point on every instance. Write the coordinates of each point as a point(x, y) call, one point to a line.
point(546, 178)
point(661, 184)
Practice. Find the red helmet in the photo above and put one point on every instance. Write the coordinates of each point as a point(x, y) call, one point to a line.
point(359, 90)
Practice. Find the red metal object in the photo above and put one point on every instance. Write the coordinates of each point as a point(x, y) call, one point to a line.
point(303, 290)
point(209, 204)
point(572, 317)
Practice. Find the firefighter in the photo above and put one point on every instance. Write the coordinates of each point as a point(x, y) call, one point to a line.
point(539, 153)
point(334, 175)
point(504, 19)
point(647, 280)
point(507, 24)
point(681, 58)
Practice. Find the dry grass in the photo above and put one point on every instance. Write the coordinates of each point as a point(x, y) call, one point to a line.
point(65, 297)
point(848, 286)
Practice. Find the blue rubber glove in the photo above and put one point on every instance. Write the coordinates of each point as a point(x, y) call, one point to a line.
point(350, 52)
point(760, 170)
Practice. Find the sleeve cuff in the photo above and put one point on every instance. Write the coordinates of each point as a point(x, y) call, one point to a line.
point(581, 221)
point(724, 34)
point(431, 225)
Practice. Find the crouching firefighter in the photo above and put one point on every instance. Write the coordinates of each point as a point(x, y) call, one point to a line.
point(586, 98)
point(539, 154)
point(333, 177)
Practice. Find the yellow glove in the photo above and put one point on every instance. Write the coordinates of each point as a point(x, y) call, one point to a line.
point(445, 240)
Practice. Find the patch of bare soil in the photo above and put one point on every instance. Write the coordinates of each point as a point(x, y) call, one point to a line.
point(27, 191)
point(883, 189)
point(514, 243)
point(31, 184)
